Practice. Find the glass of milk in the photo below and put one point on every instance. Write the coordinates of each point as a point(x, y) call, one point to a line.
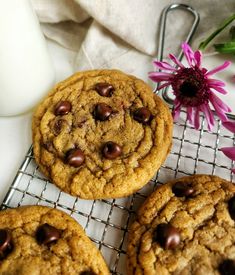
point(26, 70)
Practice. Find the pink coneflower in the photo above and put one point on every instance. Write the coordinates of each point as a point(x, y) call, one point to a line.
point(229, 151)
point(193, 88)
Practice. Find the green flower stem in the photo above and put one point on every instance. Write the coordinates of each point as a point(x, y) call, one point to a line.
point(228, 47)
point(232, 33)
point(204, 43)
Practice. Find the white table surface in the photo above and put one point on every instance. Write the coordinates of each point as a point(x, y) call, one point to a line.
point(15, 137)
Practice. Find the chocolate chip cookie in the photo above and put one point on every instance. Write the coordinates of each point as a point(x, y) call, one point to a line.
point(37, 240)
point(185, 227)
point(101, 134)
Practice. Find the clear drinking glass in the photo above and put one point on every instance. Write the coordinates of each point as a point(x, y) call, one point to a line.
point(26, 70)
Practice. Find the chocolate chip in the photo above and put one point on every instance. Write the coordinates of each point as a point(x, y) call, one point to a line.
point(111, 150)
point(104, 89)
point(102, 111)
point(58, 126)
point(62, 108)
point(5, 242)
point(48, 145)
point(88, 273)
point(231, 207)
point(182, 189)
point(227, 267)
point(47, 234)
point(167, 236)
point(142, 115)
point(75, 157)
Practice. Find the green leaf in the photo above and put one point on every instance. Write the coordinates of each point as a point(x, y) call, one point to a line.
point(228, 47)
point(229, 20)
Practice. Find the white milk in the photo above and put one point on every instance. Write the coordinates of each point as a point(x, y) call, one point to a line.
point(26, 71)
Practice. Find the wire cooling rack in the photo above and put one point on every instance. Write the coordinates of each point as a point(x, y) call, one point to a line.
point(106, 222)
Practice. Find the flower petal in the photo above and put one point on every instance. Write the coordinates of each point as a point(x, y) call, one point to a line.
point(176, 114)
point(219, 89)
point(190, 114)
point(215, 82)
point(176, 110)
point(230, 125)
point(189, 54)
point(164, 66)
point(215, 100)
point(219, 68)
point(164, 85)
point(176, 61)
point(229, 152)
point(233, 170)
point(177, 103)
point(220, 114)
point(194, 118)
point(159, 76)
point(197, 119)
point(198, 58)
point(209, 116)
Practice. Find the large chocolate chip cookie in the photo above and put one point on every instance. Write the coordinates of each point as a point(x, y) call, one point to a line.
point(186, 227)
point(37, 240)
point(101, 134)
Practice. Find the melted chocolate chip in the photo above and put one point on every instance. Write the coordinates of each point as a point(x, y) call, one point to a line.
point(5, 243)
point(227, 267)
point(167, 236)
point(182, 189)
point(102, 111)
point(48, 145)
point(75, 157)
point(104, 89)
point(47, 234)
point(88, 273)
point(231, 207)
point(62, 108)
point(58, 126)
point(111, 150)
point(142, 115)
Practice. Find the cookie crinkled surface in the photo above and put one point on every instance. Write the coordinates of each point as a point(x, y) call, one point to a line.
point(38, 240)
point(101, 134)
point(185, 227)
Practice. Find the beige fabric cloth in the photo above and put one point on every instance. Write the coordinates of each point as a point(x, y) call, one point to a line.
point(123, 34)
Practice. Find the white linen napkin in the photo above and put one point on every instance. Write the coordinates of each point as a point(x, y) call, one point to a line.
point(123, 34)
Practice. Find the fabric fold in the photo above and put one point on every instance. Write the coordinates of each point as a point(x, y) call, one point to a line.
point(123, 34)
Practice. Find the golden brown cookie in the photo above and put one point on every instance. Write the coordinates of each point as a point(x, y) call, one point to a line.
point(37, 240)
point(101, 134)
point(185, 227)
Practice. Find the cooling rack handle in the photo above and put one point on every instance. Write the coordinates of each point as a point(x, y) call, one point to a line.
point(161, 40)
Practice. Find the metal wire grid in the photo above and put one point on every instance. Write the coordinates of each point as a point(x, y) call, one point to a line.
point(106, 222)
